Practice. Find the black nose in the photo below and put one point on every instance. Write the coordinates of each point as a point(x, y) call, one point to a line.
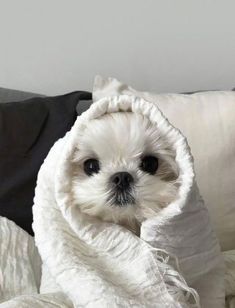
point(122, 180)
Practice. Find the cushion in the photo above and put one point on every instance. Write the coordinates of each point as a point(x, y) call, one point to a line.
point(207, 120)
point(9, 95)
point(28, 129)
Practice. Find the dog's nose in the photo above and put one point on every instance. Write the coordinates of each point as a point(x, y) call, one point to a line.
point(122, 180)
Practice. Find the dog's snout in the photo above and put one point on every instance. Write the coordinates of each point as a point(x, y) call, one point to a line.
point(122, 180)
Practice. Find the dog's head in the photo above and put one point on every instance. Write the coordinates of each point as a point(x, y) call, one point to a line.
point(123, 169)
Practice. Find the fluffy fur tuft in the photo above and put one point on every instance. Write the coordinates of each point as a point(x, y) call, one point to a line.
point(119, 141)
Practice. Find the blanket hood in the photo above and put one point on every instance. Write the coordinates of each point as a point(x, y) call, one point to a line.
point(149, 110)
point(98, 264)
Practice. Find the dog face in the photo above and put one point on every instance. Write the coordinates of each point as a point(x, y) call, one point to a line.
point(123, 170)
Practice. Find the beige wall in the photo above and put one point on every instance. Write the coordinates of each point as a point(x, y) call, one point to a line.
point(54, 46)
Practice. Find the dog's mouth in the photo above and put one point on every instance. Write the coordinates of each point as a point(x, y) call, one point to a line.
point(121, 198)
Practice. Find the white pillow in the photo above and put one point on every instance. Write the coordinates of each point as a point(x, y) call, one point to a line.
point(207, 119)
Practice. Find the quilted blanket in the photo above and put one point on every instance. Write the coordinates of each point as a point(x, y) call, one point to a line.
point(176, 261)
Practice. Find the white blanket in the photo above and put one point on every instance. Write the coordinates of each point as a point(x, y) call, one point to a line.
point(89, 263)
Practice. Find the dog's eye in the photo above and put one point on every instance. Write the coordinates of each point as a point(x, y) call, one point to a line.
point(91, 166)
point(149, 164)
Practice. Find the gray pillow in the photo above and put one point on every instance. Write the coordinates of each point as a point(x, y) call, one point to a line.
point(28, 129)
point(9, 95)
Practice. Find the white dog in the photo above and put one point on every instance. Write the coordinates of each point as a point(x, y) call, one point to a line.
point(124, 171)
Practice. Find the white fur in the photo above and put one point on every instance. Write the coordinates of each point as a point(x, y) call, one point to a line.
point(118, 141)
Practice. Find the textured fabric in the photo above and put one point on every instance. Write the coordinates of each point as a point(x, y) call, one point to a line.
point(207, 120)
point(96, 263)
point(20, 273)
point(20, 263)
point(28, 129)
point(229, 257)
